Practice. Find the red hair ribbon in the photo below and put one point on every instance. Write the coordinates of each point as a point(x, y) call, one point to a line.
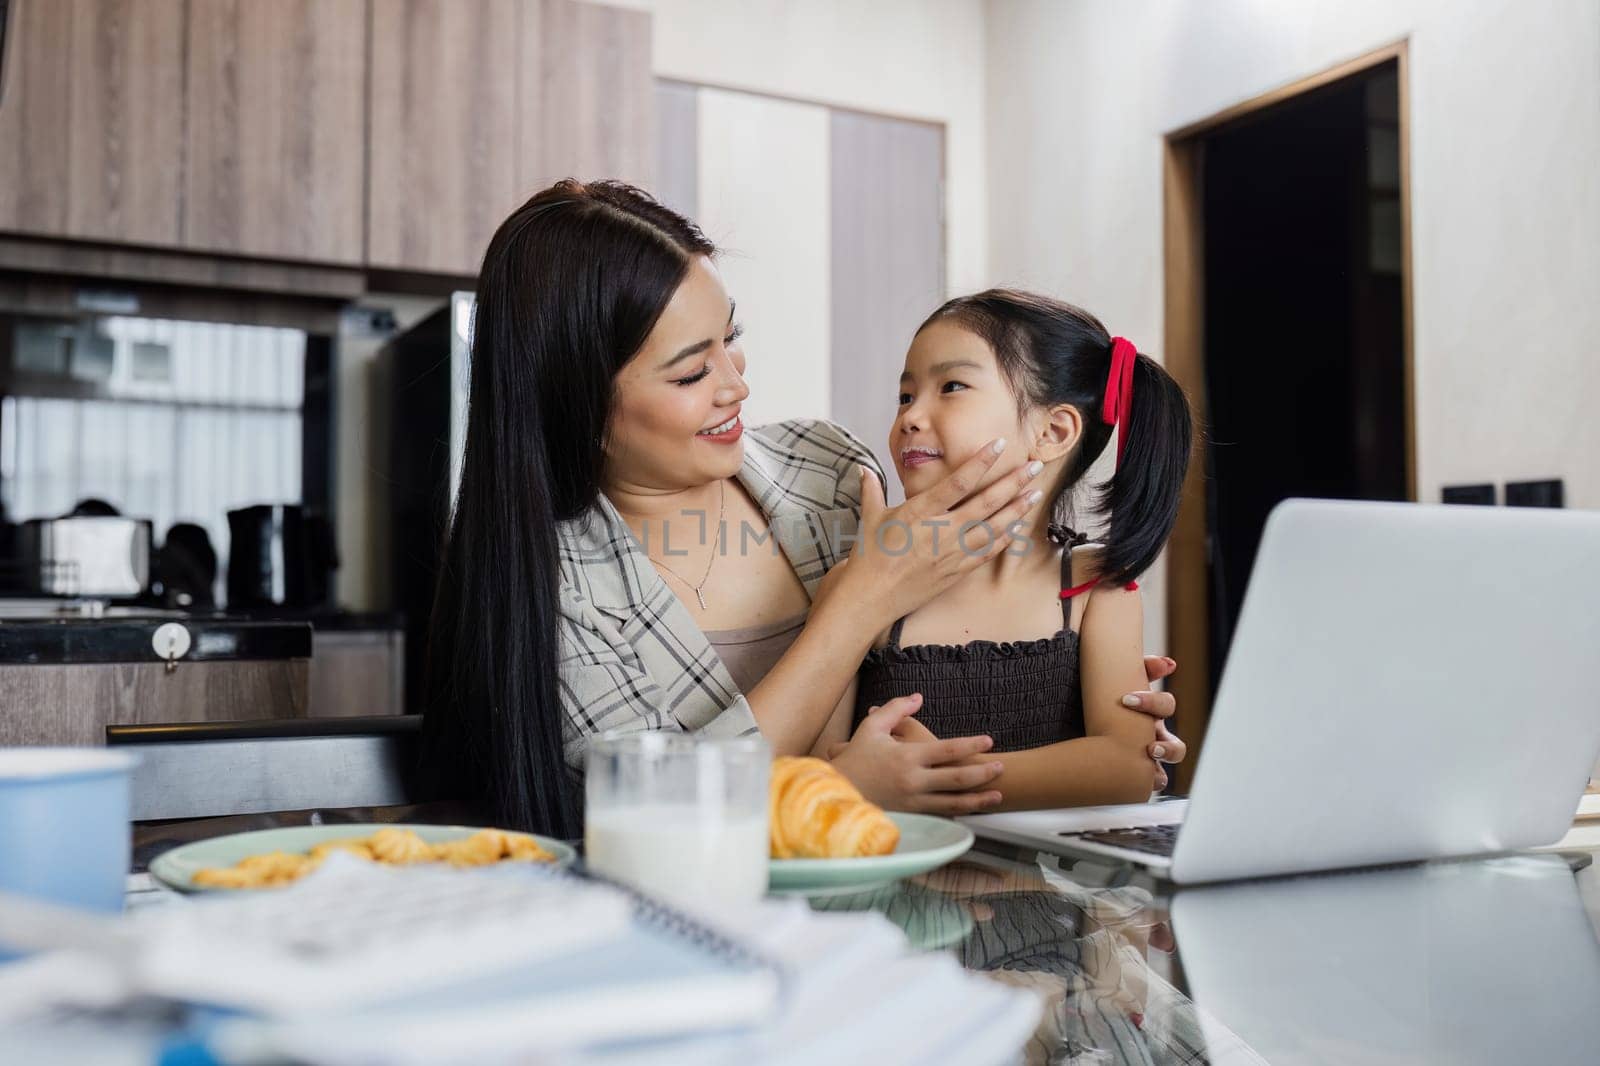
point(1115, 410)
point(1119, 390)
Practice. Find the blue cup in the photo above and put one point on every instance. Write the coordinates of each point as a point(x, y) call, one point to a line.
point(64, 832)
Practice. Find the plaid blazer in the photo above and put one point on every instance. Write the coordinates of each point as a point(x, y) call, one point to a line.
point(632, 657)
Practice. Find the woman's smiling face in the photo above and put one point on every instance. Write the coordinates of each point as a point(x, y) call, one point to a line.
point(953, 401)
point(685, 382)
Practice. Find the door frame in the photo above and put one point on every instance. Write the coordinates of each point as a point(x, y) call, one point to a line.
point(1188, 617)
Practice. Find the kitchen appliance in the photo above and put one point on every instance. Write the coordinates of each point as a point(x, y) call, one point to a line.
point(280, 555)
point(86, 555)
point(428, 371)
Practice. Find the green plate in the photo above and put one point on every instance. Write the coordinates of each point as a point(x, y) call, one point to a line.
point(176, 868)
point(925, 843)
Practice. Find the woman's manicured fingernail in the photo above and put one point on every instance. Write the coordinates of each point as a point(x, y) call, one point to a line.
point(1170, 661)
point(998, 446)
point(1132, 701)
point(1159, 752)
point(1034, 468)
point(1035, 496)
point(997, 766)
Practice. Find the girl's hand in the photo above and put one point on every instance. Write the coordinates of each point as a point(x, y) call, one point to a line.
point(907, 555)
point(928, 776)
point(1166, 748)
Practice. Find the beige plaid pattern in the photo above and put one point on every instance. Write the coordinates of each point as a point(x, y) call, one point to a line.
point(632, 657)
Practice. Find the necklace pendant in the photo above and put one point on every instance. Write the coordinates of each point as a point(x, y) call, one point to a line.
point(701, 597)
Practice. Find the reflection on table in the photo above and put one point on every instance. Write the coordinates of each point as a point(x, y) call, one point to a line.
point(1486, 961)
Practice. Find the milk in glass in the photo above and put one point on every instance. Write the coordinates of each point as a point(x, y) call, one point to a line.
point(679, 817)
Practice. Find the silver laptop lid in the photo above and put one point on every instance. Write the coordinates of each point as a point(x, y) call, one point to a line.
point(1406, 682)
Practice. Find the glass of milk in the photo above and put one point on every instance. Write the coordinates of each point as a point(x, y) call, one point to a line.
point(679, 817)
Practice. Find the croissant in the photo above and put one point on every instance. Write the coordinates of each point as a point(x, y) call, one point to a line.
point(816, 813)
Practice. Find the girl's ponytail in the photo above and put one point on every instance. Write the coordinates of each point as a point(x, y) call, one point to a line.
point(1153, 456)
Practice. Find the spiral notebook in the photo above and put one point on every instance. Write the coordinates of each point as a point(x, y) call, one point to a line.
point(499, 954)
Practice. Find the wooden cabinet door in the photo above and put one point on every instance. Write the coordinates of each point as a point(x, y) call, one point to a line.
point(886, 262)
point(71, 704)
point(588, 94)
point(276, 106)
point(91, 121)
point(442, 131)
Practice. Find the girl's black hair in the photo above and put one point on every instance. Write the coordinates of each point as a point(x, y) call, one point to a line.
point(1054, 353)
point(571, 285)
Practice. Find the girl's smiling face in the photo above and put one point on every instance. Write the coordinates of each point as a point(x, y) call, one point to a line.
point(953, 401)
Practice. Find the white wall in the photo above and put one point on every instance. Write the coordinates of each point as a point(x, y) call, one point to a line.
point(763, 199)
point(1505, 147)
point(910, 58)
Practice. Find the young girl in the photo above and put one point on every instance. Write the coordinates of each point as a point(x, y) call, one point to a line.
point(1036, 647)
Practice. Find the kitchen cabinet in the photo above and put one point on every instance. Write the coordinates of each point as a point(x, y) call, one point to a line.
point(72, 705)
point(358, 672)
point(91, 120)
point(442, 124)
point(276, 127)
point(886, 259)
point(588, 97)
point(216, 125)
point(475, 107)
point(62, 681)
point(391, 134)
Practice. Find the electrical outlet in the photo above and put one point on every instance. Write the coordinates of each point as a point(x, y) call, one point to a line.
point(1483, 495)
point(1551, 493)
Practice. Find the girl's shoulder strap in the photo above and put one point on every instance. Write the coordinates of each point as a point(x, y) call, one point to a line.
point(1077, 567)
point(1077, 563)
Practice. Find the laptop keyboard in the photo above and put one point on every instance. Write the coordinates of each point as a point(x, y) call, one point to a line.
point(1151, 839)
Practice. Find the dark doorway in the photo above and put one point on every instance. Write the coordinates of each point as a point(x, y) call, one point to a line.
point(1304, 335)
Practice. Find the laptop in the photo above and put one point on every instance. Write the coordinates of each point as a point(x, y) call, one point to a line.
point(1476, 963)
point(1406, 682)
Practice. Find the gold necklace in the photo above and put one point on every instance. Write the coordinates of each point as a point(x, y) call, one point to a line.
point(722, 507)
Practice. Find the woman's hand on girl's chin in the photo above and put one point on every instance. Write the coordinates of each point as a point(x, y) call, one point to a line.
point(929, 776)
point(909, 554)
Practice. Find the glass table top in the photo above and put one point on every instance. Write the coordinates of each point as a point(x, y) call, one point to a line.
point(1478, 961)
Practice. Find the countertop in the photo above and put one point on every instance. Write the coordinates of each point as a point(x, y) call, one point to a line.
point(129, 639)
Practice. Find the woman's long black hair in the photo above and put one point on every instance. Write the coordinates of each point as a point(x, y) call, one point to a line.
point(571, 285)
point(1052, 353)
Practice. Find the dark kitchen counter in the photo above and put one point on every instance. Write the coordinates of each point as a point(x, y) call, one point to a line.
point(323, 620)
point(128, 639)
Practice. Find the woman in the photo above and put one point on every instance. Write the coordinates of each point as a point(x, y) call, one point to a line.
point(604, 429)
